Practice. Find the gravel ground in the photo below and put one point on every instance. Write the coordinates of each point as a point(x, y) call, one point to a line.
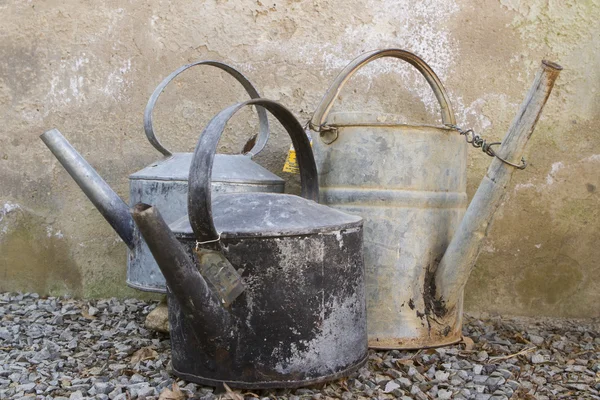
point(57, 348)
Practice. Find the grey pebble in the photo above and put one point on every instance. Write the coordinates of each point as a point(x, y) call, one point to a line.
point(537, 359)
point(103, 387)
point(441, 376)
point(495, 381)
point(137, 378)
point(146, 391)
point(404, 382)
point(535, 339)
point(55, 353)
point(26, 387)
point(77, 395)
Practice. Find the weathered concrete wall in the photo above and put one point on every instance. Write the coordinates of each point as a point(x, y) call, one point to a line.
point(88, 68)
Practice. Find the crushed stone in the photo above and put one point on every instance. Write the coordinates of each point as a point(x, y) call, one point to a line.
point(60, 348)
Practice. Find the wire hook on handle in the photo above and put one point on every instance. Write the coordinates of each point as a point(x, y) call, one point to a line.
point(478, 142)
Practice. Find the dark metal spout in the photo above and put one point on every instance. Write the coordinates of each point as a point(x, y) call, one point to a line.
point(110, 205)
point(182, 276)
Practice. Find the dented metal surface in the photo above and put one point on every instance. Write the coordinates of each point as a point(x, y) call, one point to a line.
point(409, 184)
point(220, 274)
point(412, 200)
point(301, 319)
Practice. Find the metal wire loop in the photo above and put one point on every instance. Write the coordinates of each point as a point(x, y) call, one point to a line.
point(321, 128)
point(208, 241)
point(478, 142)
point(328, 134)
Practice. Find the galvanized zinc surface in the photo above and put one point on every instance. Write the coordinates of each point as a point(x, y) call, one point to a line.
point(227, 168)
point(359, 118)
point(268, 214)
point(409, 183)
point(166, 187)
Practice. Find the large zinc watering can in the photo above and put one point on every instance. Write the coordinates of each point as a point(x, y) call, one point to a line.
point(409, 184)
point(301, 319)
point(164, 183)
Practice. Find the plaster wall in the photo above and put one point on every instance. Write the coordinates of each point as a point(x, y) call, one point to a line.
point(88, 68)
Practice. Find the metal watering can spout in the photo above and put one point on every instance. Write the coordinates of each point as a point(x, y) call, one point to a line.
point(182, 276)
point(456, 265)
point(110, 205)
point(419, 235)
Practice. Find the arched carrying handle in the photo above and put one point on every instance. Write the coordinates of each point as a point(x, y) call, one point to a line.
point(263, 134)
point(199, 194)
point(318, 120)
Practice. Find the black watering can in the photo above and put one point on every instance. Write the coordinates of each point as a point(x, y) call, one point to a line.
point(301, 316)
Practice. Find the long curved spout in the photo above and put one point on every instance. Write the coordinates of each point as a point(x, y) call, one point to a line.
point(110, 205)
point(182, 276)
point(459, 259)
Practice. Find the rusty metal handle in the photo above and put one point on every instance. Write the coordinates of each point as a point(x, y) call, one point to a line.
point(263, 134)
point(199, 194)
point(318, 119)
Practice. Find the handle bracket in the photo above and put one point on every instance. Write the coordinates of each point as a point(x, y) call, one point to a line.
point(328, 134)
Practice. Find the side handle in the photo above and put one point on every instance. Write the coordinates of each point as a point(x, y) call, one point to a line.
point(263, 133)
point(199, 195)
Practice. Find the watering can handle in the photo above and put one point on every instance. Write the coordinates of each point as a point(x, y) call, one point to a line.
point(199, 194)
point(263, 134)
point(319, 117)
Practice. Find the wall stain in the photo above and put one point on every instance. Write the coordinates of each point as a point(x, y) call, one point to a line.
point(33, 258)
point(292, 53)
point(547, 281)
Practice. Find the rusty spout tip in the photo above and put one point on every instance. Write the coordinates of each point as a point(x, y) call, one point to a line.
point(139, 208)
point(551, 64)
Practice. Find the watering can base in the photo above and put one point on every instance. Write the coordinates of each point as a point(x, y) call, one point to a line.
point(383, 343)
point(421, 332)
point(271, 384)
point(145, 288)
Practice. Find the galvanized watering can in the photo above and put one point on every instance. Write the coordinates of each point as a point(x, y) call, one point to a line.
point(409, 184)
point(164, 183)
point(301, 318)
